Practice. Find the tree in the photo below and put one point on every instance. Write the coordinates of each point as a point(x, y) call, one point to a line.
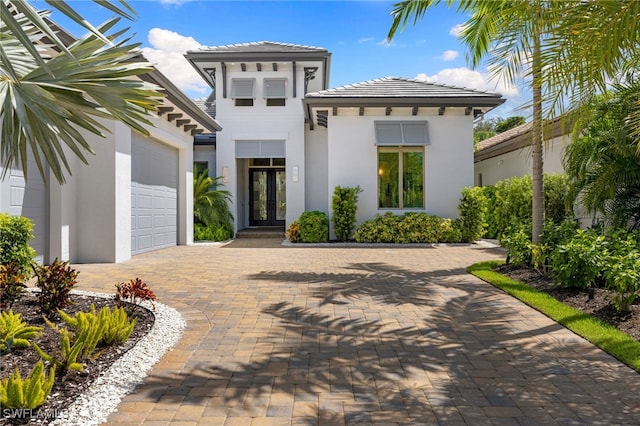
point(46, 103)
point(484, 129)
point(567, 49)
point(602, 161)
point(509, 123)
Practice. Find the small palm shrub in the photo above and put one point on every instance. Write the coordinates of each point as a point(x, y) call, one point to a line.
point(213, 220)
point(314, 227)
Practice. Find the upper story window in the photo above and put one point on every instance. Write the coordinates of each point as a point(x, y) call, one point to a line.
point(242, 91)
point(275, 91)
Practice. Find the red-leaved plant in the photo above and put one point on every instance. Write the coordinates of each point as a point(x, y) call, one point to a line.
point(55, 282)
point(133, 292)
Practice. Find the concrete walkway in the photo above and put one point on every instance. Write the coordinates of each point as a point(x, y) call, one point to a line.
point(322, 336)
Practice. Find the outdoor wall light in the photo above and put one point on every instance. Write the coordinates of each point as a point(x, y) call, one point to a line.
point(225, 175)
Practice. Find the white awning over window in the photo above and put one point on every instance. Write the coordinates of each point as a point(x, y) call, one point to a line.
point(260, 149)
point(275, 88)
point(402, 133)
point(242, 88)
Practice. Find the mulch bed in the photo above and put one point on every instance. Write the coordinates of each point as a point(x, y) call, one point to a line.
point(599, 306)
point(69, 386)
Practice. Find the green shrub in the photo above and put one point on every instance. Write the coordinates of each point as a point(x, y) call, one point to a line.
point(293, 234)
point(580, 261)
point(55, 282)
point(512, 203)
point(314, 227)
point(623, 277)
point(489, 193)
point(473, 212)
point(345, 206)
point(412, 227)
point(29, 393)
point(15, 233)
point(381, 229)
point(15, 332)
point(517, 241)
point(203, 232)
point(558, 198)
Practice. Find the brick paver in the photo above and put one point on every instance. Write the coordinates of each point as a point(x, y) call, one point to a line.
point(313, 336)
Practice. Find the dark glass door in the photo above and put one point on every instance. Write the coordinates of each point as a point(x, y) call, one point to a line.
point(267, 204)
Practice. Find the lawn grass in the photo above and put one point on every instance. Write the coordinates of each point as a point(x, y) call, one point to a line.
point(606, 337)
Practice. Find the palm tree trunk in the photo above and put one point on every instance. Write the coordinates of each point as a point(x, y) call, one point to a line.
point(537, 216)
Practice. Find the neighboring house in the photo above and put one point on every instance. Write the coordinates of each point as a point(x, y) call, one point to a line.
point(289, 140)
point(135, 195)
point(508, 154)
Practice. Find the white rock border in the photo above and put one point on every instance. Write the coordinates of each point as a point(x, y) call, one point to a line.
point(106, 392)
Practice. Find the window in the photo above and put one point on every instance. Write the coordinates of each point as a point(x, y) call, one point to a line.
point(275, 91)
point(401, 177)
point(242, 91)
point(402, 133)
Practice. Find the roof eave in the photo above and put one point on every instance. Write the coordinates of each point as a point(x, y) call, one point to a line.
point(346, 102)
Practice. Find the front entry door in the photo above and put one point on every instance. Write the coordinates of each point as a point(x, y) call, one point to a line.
point(268, 197)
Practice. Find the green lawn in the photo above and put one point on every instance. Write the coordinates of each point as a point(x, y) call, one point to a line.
point(606, 337)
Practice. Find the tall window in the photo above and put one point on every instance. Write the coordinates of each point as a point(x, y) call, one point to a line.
point(401, 177)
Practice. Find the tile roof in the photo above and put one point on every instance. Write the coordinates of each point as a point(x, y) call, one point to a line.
point(504, 136)
point(261, 47)
point(207, 104)
point(398, 87)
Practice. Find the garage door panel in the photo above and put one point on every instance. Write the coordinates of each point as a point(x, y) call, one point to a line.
point(154, 187)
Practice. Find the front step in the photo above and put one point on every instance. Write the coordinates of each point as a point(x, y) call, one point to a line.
point(262, 232)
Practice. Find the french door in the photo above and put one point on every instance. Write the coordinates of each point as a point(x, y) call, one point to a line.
point(267, 203)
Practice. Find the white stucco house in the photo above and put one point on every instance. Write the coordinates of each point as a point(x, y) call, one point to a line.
point(135, 195)
point(288, 139)
point(508, 154)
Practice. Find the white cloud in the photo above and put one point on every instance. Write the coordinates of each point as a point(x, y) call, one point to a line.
point(166, 54)
point(365, 39)
point(388, 43)
point(464, 77)
point(449, 55)
point(174, 2)
point(456, 30)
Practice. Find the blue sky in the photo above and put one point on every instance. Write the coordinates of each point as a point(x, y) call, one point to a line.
point(353, 31)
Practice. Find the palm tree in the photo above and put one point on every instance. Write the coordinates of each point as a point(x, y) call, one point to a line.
point(45, 103)
point(210, 205)
point(568, 49)
point(602, 162)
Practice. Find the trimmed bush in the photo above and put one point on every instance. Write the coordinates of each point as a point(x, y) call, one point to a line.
point(314, 227)
point(410, 228)
point(512, 203)
point(580, 261)
point(517, 242)
point(473, 213)
point(489, 193)
point(203, 232)
point(15, 233)
point(345, 206)
point(558, 198)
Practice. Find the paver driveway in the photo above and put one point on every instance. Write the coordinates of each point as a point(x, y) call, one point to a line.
point(280, 335)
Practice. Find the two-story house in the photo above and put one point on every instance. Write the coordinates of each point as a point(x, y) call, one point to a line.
point(288, 139)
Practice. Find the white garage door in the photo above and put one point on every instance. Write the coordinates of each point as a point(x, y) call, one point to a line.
point(154, 203)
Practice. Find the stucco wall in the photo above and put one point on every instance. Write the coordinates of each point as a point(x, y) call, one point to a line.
point(518, 163)
point(317, 169)
point(352, 159)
